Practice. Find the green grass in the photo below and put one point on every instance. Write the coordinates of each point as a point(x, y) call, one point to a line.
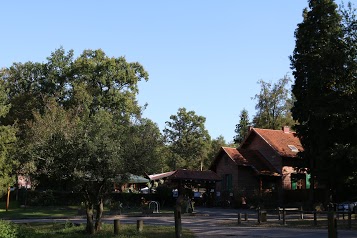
point(35, 212)
point(67, 230)
point(17, 212)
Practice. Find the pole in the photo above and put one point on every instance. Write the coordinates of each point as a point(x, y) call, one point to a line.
point(315, 218)
point(8, 199)
point(178, 224)
point(140, 225)
point(284, 218)
point(116, 226)
point(332, 225)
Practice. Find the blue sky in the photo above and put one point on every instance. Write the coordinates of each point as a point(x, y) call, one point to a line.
point(204, 55)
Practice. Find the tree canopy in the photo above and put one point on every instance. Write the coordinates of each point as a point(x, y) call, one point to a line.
point(324, 68)
point(273, 105)
point(7, 140)
point(242, 127)
point(188, 140)
point(75, 117)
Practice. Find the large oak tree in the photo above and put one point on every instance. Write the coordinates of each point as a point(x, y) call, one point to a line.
point(74, 116)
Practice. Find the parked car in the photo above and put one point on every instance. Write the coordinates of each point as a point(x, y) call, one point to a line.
point(347, 206)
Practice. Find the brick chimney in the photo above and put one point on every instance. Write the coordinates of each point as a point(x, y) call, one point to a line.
point(286, 129)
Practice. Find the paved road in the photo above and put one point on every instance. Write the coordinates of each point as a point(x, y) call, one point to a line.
point(210, 223)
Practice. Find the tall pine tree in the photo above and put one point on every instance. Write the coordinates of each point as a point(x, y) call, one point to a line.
point(242, 127)
point(322, 90)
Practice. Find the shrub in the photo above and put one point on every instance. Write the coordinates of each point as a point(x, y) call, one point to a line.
point(8, 229)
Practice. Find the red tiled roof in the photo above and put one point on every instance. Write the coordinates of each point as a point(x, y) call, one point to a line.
point(279, 141)
point(235, 155)
point(252, 158)
point(258, 162)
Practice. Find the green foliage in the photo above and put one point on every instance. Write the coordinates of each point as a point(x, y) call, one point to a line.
point(143, 152)
point(242, 127)
point(187, 139)
point(215, 146)
point(324, 65)
point(7, 139)
point(273, 105)
point(8, 229)
point(45, 198)
point(70, 230)
point(74, 116)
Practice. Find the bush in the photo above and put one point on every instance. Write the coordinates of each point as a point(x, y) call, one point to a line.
point(8, 229)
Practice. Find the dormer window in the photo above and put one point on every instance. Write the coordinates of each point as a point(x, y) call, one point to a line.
point(293, 148)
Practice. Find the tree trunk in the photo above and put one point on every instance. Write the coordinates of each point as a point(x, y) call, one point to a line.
point(98, 218)
point(90, 222)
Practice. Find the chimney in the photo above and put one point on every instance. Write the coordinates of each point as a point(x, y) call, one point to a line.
point(250, 128)
point(286, 129)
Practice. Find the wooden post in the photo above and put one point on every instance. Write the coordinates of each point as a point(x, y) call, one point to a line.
point(301, 213)
point(116, 226)
point(263, 216)
point(178, 224)
point(239, 218)
point(279, 214)
point(140, 225)
point(259, 215)
point(8, 199)
point(332, 225)
point(284, 218)
point(245, 216)
point(315, 218)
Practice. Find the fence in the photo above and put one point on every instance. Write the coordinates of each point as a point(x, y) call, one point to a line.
point(297, 217)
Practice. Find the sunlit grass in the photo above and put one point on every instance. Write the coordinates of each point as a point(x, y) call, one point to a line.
point(35, 212)
point(68, 230)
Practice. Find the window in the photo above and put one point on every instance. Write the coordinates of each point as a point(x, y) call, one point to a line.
point(227, 182)
point(298, 181)
point(308, 177)
point(293, 148)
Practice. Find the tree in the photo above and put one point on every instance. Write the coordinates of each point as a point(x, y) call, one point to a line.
point(106, 83)
point(214, 148)
point(187, 139)
point(324, 68)
point(349, 119)
point(273, 106)
point(144, 147)
point(7, 139)
point(242, 127)
point(76, 121)
point(81, 155)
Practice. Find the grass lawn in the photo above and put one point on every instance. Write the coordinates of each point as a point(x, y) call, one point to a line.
point(67, 230)
point(15, 212)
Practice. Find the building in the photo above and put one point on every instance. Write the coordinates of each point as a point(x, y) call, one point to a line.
point(265, 164)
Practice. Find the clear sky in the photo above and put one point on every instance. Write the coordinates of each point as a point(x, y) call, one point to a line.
point(204, 55)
